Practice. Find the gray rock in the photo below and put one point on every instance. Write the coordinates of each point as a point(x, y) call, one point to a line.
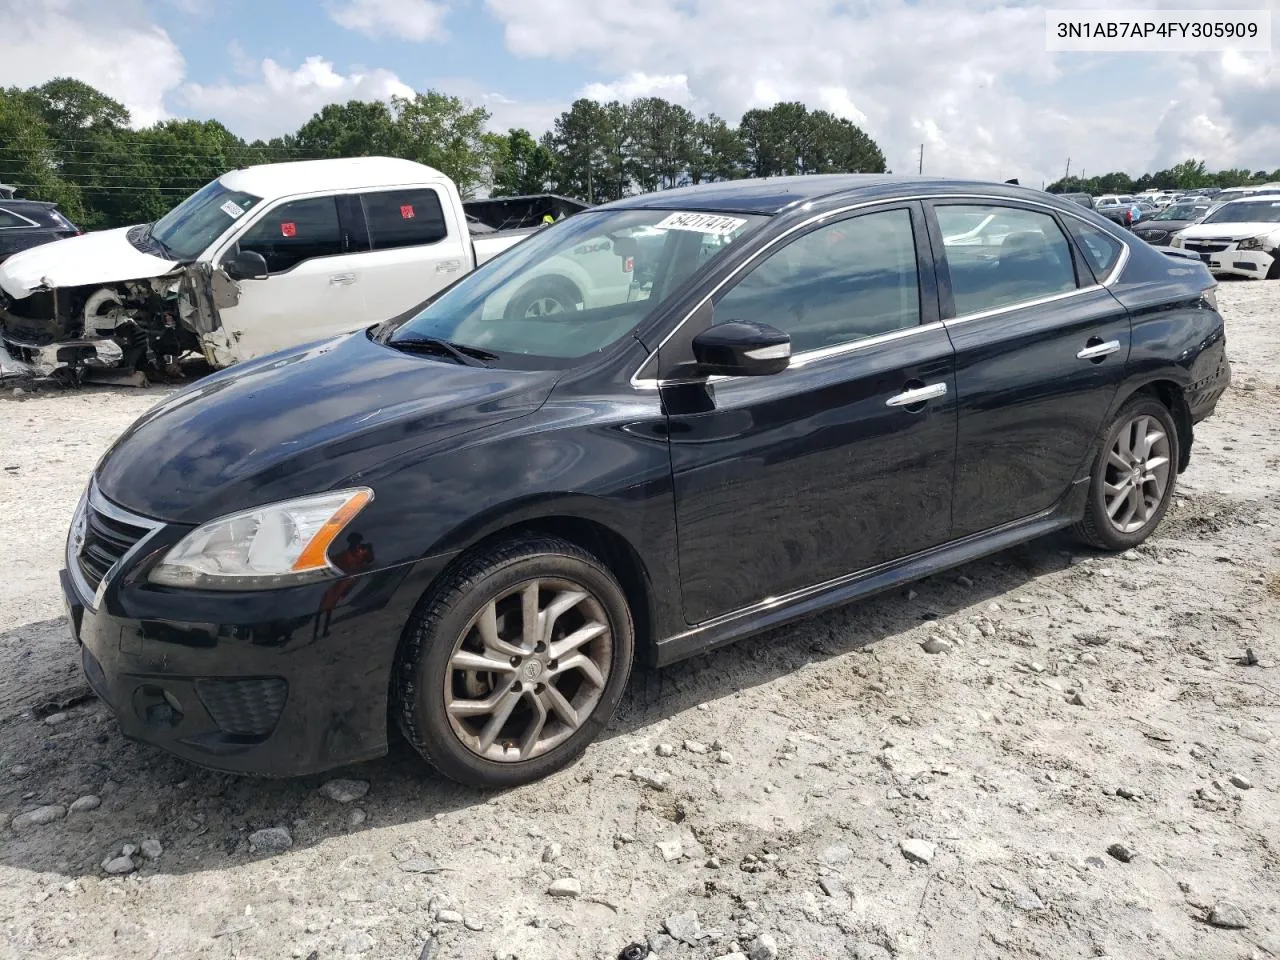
point(118, 866)
point(1089, 658)
point(38, 817)
point(764, 948)
point(837, 853)
point(430, 949)
point(565, 887)
point(964, 581)
point(1121, 852)
point(358, 941)
point(724, 756)
point(152, 848)
point(1128, 793)
point(937, 644)
point(129, 849)
point(1077, 699)
point(662, 944)
point(918, 851)
point(356, 818)
point(448, 916)
point(551, 853)
point(1024, 899)
point(19, 770)
point(345, 791)
point(870, 951)
point(419, 865)
point(270, 840)
point(473, 923)
point(651, 778)
point(684, 927)
point(694, 746)
point(712, 863)
point(1227, 916)
point(1241, 782)
point(671, 850)
point(85, 804)
point(57, 719)
point(665, 750)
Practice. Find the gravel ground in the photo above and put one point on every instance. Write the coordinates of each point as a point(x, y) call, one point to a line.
point(1090, 771)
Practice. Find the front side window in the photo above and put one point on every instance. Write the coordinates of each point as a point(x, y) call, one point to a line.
point(403, 218)
point(188, 229)
point(576, 287)
point(842, 282)
point(1014, 256)
point(295, 231)
point(1100, 249)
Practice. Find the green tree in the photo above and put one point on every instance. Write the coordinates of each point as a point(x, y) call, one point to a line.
point(662, 142)
point(28, 156)
point(717, 152)
point(521, 165)
point(837, 145)
point(576, 138)
point(446, 133)
point(356, 128)
point(775, 139)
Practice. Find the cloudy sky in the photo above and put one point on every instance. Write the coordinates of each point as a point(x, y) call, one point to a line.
point(970, 79)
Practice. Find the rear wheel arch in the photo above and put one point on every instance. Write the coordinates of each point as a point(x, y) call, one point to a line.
point(1170, 394)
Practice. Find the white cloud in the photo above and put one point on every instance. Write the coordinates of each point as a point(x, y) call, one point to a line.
point(673, 87)
point(416, 20)
point(280, 99)
point(113, 47)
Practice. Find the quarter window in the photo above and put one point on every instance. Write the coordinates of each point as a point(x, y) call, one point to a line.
point(1100, 249)
point(404, 218)
point(1002, 256)
point(843, 282)
point(9, 220)
point(294, 232)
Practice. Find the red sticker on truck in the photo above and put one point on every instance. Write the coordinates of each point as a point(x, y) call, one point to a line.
point(629, 264)
point(289, 229)
point(406, 211)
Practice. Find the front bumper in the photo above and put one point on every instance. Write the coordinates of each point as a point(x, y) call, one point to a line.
point(44, 359)
point(273, 683)
point(1254, 264)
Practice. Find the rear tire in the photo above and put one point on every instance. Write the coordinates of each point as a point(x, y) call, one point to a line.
point(546, 296)
point(1133, 478)
point(492, 703)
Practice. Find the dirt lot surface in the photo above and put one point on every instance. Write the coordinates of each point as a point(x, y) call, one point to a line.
point(1092, 770)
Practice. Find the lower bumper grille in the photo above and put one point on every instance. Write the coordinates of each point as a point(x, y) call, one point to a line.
point(244, 708)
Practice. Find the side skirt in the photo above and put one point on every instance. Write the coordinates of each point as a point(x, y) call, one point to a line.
point(819, 598)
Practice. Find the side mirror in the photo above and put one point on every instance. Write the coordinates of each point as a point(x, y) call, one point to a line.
point(246, 265)
point(740, 348)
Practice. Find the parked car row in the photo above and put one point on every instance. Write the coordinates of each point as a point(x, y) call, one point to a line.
point(30, 223)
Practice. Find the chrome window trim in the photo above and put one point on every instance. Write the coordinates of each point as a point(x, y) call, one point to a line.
point(652, 383)
point(95, 499)
point(29, 221)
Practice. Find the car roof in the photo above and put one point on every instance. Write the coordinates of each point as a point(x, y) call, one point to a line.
point(17, 205)
point(1255, 198)
point(772, 195)
point(309, 176)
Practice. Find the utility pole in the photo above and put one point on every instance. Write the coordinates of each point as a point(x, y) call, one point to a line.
point(921, 168)
point(1068, 173)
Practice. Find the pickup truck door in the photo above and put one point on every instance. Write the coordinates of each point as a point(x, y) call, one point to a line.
point(314, 286)
point(417, 245)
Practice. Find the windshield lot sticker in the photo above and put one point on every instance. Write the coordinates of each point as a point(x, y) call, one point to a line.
point(406, 211)
point(233, 210)
point(289, 229)
point(711, 223)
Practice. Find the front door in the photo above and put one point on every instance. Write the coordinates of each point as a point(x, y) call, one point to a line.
point(314, 288)
point(844, 460)
point(1041, 347)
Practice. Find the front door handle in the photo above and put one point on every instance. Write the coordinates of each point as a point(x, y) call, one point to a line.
point(1095, 349)
point(342, 279)
point(909, 398)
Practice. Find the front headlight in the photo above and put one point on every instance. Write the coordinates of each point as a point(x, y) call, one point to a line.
point(278, 545)
point(1176, 241)
point(1252, 243)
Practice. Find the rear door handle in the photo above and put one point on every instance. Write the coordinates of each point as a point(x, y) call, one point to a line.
point(341, 279)
point(910, 398)
point(1096, 351)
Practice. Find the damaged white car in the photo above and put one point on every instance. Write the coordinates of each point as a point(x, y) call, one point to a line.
point(1240, 238)
point(260, 259)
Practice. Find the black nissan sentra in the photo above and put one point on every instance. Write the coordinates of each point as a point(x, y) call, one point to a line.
point(651, 429)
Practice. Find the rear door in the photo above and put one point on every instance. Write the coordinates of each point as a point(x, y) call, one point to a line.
point(844, 460)
point(1041, 346)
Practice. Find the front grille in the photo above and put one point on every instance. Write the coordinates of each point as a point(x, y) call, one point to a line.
point(106, 540)
point(1154, 236)
point(244, 708)
point(1206, 246)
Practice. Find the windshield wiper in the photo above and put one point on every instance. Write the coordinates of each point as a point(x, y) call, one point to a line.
point(467, 356)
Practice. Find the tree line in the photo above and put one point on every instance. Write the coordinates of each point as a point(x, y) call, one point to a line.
point(1187, 175)
point(68, 142)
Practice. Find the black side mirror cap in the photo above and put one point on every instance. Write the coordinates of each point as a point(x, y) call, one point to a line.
point(246, 265)
point(741, 348)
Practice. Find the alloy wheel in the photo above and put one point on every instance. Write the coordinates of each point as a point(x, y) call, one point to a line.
point(1137, 476)
point(528, 670)
point(542, 307)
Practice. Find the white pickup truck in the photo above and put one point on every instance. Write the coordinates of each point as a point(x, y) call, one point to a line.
point(260, 259)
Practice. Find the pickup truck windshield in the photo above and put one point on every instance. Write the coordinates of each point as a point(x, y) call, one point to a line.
point(186, 231)
point(577, 287)
point(1246, 211)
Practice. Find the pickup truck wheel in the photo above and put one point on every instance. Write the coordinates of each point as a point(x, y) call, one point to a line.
point(543, 297)
point(515, 663)
point(1133, 478)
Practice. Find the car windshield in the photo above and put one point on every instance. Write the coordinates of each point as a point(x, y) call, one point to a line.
point(575, 288)
point(187, 230)
point(1246, 211)
point(1180, 211)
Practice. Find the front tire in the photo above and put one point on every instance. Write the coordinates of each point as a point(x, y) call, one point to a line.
point(1134, 475)
point(544, 297)
point(515, 663)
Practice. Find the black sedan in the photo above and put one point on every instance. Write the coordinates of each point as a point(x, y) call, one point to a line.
point(29, 223)
point(767, 398)
point(1159, 230)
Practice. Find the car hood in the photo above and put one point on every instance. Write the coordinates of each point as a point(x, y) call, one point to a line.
point(1161, 226)
point(105, 256)
point(1230, 231)
point(300, 421)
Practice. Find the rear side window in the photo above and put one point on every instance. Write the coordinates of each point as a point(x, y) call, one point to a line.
point(9, 220)
point(1100, 249)
point(404, 218)
point(294, 232)
point(999, 257)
